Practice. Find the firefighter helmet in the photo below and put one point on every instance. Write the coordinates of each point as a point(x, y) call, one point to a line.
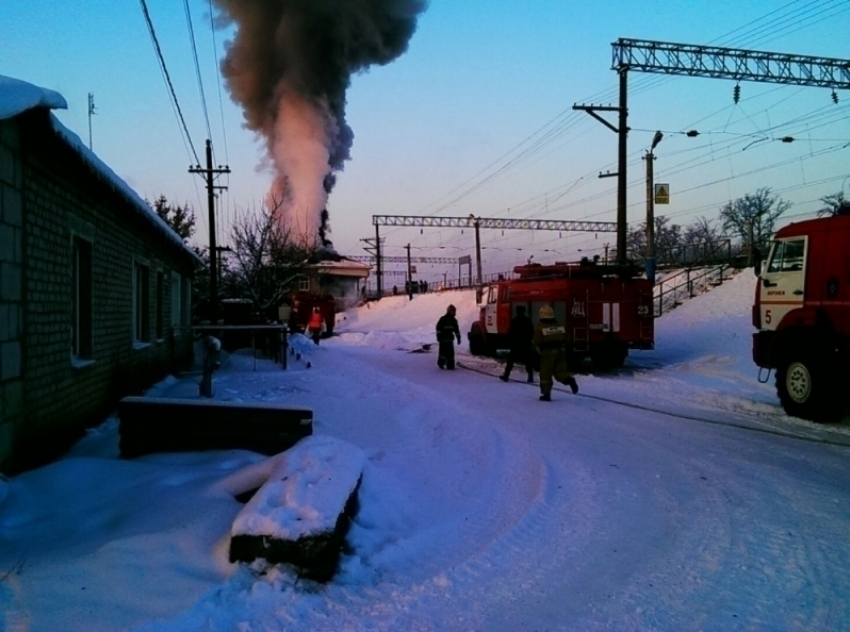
point(546, 312)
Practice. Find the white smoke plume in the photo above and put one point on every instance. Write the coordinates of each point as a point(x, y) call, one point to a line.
point(289, 66)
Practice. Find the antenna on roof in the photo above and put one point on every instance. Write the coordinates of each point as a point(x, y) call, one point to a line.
point(91, 113)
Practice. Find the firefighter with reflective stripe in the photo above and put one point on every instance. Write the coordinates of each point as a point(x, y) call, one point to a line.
point(447, 331)
point(550, 338)
point(315, 325)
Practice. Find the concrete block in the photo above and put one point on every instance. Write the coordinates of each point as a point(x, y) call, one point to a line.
point(10, 360)
point(11, 205)
point(6, 323)
point(10, 248)
point(7, 165)
point(9, 135)
point(7, 432)
point(12, 396)
point(10, 282)
point(152, 424)
point(15, 321)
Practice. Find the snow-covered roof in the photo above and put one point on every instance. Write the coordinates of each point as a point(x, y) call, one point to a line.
point(18, 96)
point(343, 267)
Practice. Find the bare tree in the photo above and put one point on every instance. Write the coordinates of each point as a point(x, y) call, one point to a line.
point(667, 240)
point(834, 203)
point(180, 218)
point(701, 239)
point(753, 219)
point(267, 257)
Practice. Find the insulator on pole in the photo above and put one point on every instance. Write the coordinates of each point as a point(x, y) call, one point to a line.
point(834, 96)
point(736, 93)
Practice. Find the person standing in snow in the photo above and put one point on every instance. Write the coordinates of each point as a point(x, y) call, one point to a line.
point(521, 340)
point(447, 331)
point(550, 338)
point(316, 324)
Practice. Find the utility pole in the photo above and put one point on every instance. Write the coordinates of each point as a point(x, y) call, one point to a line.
point(210, 174)
point(379, 279)
point(622, 131)
point(374, 249)
point(623, 135)
point(409, 275)
point(91, 113)
point(477, 225)
point(221, 250)
point(650, 208)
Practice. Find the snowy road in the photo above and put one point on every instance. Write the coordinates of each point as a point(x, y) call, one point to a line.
point(694, 504)
point(625, 519)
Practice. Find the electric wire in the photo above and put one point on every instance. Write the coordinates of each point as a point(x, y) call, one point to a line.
point(167, 77)
point(775, 27)
point(197, 67)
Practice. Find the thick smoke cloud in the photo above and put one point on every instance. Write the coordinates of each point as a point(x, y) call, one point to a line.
point(289, 66)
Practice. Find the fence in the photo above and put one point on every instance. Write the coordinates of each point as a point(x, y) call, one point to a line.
point(671, 291)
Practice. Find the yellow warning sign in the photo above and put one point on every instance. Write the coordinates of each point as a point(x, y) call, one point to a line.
point(662, 194)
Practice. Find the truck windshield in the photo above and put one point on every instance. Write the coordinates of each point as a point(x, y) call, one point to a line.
point(787, 256)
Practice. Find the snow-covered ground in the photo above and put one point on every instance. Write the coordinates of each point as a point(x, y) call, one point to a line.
point(672, 495)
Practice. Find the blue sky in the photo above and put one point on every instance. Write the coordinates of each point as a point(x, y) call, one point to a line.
point(442, 129)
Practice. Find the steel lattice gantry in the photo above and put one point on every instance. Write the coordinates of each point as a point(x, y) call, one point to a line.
point(702, 61)
point(490, 222)
point(730, 63)
point(372, 259)
point(471, 222)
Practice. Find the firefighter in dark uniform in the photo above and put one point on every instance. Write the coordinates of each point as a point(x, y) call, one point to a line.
point(520, 338)
point(550, 338)
point(447, 331)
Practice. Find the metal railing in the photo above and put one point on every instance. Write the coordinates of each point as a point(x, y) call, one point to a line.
point(671, 291)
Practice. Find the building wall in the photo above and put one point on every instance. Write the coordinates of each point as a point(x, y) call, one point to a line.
point(11, 287)
point(55, 394)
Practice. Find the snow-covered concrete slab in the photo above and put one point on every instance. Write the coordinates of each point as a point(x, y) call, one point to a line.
point(301, 514)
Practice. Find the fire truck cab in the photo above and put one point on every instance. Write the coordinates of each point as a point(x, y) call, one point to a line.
point(802, 315)
point(607, 309)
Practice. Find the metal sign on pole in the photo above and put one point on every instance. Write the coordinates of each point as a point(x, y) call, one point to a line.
point(662, 194)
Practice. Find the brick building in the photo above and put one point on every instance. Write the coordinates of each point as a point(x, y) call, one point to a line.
point(92, 284)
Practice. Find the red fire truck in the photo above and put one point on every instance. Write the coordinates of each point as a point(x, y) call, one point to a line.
point(607, 309)
point(802, 314)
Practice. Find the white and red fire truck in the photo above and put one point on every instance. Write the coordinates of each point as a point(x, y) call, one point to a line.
point(607, 309)
point(802, 314)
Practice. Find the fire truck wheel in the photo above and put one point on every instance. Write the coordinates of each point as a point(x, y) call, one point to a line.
point(476, 343)
point(805, 389)
point(610, 358)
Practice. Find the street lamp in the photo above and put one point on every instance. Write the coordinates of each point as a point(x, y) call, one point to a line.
point(650, 209)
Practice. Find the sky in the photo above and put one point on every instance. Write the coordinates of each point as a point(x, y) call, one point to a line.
point(674, 494)
point(474, 118)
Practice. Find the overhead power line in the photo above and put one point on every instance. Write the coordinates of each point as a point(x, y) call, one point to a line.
point(197, 67)
point(167, 77)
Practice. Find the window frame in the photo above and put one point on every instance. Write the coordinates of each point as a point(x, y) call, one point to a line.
point(82, 303)
point(141, 303)
point(159, 313)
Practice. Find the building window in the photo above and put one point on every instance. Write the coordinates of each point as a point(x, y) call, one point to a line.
point(186, 307)
point(160, 305)
point(304, 284)
point(141, 307)
point(81, 284)
point(176, 298)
